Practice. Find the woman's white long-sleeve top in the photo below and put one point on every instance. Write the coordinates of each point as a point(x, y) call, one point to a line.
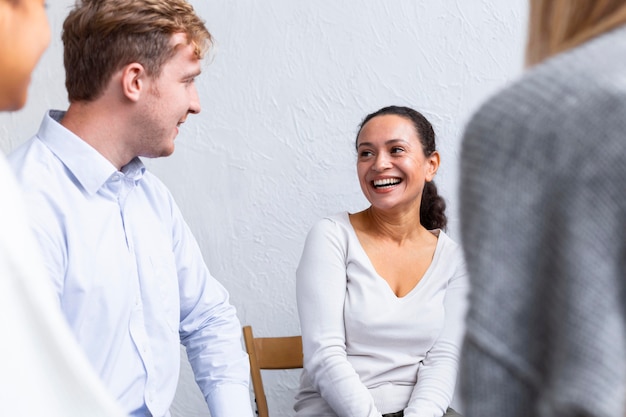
point(368, 352)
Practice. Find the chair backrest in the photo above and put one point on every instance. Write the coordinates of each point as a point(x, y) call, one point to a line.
point(270, 353)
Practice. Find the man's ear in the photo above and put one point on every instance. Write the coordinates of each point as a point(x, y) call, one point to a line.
point(133, 81)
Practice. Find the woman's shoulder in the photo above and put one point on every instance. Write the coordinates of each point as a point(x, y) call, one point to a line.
point(331, 221)
point(448, 246)
point(563, 86)
point(336, 224)
point(448, 251)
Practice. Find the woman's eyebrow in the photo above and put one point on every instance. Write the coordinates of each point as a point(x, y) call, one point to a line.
point(388, 142)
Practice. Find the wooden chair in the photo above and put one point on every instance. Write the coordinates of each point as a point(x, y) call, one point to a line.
point(270, 353)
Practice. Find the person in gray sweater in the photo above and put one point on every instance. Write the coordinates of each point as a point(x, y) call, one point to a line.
point(543, 224)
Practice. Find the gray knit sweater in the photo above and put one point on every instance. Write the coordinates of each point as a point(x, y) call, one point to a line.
point(543, 210)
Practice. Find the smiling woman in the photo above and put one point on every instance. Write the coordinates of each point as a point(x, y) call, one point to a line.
point(411, 141)
point(381, 293)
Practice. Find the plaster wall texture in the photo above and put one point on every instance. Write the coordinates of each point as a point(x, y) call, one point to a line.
point(272, 151)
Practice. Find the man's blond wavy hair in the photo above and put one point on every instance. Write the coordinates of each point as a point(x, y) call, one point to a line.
point(102, 36)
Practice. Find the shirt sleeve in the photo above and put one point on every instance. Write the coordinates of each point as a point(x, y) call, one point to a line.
point(436, 377)
point(320, 293)
point(210, 330)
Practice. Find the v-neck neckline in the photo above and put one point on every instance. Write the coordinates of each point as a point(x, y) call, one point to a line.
point(427, 272)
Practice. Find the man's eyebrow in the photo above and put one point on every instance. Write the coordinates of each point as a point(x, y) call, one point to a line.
point(193, 74)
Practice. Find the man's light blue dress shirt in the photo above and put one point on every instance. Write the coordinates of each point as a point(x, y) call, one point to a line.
point(130, 276)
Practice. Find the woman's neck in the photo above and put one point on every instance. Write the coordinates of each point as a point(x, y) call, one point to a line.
point(398, 227)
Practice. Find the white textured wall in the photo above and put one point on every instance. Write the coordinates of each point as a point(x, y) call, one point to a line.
point(272, 150)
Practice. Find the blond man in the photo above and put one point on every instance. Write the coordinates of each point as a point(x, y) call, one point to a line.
point(128, 272)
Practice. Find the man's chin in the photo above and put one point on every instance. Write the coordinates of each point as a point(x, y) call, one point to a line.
point(159, 153)
point(168, 151)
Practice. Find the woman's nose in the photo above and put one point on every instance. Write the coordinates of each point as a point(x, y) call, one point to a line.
point(381, 162)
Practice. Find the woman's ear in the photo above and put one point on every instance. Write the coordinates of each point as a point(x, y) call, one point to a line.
point(432, 165)
point(133, 81)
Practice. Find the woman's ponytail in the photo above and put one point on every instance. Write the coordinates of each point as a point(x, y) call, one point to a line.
point(432, 208)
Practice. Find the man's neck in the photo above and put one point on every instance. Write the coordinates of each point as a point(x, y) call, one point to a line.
point(100, 128)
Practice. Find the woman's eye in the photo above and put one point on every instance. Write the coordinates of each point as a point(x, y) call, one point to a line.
point(396, 149)
point(365, 154)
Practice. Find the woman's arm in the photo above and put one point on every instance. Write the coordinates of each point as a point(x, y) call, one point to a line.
point(437, 374)
point(321, 291)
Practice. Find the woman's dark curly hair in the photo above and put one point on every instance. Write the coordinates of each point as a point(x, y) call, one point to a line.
point(433, 206)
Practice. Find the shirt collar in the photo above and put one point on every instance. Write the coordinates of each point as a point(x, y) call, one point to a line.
point(134, 170)
point(85, 163)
